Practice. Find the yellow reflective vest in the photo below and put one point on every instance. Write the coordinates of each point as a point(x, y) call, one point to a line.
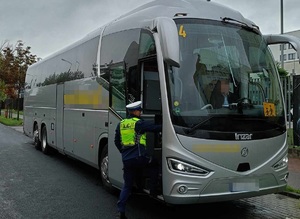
point(128, 135)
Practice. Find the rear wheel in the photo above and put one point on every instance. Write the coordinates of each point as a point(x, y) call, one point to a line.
point(36, 140)
point(45, 146)
point(104, 170)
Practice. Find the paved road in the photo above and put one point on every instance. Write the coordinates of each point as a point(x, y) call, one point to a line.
point(33, 185)
point(294, 173)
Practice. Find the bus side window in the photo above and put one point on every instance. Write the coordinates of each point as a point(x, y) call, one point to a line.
point(117, 83)
point(147, 44)
point(151, 88)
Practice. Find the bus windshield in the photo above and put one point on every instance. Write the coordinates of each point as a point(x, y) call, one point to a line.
point(227, 80)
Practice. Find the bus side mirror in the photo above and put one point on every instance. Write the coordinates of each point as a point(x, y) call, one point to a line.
point(168, 37)
point(276, 39)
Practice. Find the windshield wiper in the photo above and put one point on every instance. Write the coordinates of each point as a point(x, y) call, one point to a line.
point(193, 128)
point(227, 19)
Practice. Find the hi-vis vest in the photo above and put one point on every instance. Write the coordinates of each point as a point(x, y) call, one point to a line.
point(128, 136)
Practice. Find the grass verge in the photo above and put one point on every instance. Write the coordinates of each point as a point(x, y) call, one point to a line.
point(11, 121)
point(291, 189)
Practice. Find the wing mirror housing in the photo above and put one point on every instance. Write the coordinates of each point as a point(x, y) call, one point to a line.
point(169, 42)
point(277, 39)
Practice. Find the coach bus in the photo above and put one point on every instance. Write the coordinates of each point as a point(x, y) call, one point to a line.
point(174, 56)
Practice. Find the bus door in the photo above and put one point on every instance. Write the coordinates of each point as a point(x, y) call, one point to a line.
point(115, 166)
point(59, 116)
point(116, 112)
point(152, 107)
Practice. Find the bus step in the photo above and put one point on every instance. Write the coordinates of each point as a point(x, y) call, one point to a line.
point(159, 197)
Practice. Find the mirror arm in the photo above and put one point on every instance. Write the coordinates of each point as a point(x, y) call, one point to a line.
point(277, 39)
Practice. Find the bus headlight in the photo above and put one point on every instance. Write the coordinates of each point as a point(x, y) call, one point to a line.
point(282, 163)
point(179, 166)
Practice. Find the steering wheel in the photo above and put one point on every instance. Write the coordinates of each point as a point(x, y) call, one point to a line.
point(242, 100)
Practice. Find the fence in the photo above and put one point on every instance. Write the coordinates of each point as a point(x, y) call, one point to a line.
point(11, 104)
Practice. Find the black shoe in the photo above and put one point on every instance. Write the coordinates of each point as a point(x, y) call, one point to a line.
point(122, 215)
point(138, 191)
point(154, 193)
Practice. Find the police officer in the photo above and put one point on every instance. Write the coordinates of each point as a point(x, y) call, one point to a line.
point(130, 139)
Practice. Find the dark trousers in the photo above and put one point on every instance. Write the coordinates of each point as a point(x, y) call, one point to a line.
point(133, 170)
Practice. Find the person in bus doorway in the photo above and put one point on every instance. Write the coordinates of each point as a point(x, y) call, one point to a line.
point(130, 139)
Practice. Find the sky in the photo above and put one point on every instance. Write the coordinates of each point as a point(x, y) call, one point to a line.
point(50, 25)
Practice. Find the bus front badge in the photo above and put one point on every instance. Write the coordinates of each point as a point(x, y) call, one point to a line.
point(244, 152)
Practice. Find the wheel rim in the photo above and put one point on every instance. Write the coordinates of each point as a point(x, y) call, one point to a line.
point(36, 136)
point(104, 169)
point(44, 141)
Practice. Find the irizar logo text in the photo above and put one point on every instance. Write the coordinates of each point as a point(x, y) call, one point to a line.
point(243, 136)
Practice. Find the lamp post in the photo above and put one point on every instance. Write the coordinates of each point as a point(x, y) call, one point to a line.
point(19, 48)
point(281, 22)
point(18, 100)
point(67, 62)
point(78, 65)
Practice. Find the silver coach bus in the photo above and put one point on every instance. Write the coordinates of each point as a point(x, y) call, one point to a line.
point(174, 56)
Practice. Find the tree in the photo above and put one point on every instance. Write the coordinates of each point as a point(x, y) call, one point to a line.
point(2, 84)
point(2, 93)
point(14, 63)
point(282, 72)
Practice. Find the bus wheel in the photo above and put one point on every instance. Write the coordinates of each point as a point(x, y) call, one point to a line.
point(104, 169)
point(36, 140)
point(45, 146)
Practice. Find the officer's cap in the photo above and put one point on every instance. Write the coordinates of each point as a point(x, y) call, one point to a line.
point(134, 106)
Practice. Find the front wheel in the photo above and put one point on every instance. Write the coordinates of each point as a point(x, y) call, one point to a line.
point(103, 161)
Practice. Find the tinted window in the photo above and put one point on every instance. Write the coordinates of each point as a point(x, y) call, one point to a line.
point(118, 66)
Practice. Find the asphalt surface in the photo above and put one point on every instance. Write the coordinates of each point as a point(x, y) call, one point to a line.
point(294, 175)
point(29, 188)
point(294, 170)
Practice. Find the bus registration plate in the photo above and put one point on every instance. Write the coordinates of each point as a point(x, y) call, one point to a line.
point(247, 185)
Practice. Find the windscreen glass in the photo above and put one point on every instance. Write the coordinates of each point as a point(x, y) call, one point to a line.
point(226, 82)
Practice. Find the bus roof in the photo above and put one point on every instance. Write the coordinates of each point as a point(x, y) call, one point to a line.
point(143, 16)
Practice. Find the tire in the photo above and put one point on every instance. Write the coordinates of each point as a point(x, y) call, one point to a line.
point(36, 140)
point(44, 143)
point(103, 167)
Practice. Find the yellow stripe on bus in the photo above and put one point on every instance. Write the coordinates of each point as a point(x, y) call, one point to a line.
point(84, 97)
point(216, 148)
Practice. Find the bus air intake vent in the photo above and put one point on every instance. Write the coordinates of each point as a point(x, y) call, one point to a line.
point(243, 167)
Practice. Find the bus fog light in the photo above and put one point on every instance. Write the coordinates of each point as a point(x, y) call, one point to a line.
point(182, 189)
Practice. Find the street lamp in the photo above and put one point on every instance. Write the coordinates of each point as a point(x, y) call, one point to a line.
point(78, 65)
point(281, 21)
point(19, 49)
point(67, 62)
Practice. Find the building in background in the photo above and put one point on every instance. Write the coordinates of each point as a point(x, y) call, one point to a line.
point(291, 61)
point(290, 84)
